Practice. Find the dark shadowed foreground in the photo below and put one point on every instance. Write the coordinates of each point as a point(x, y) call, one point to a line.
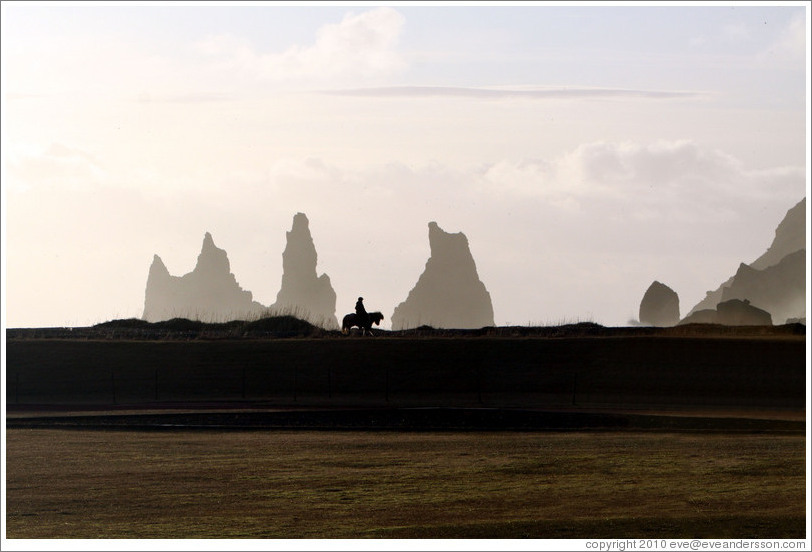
point(258, 484)
point(581, 365)
point(213, 431)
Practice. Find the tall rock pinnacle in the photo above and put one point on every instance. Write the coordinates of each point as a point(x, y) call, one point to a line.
point(449, 293)
point(303, 294)
point(209, 293)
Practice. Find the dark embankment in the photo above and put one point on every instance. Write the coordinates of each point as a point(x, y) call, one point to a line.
point(582, 366)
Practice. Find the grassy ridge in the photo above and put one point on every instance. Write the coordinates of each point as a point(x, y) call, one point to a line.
point(276, 327)
point(413, 371)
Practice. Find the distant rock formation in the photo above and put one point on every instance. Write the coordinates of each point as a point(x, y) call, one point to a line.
point(741, 313)
point(781, 287)
point(776, 281)
point(660, 306)
point(790, 236)
point(704, 316)
point(210, 293)
point(731, 313)
point(303, 294)
point(449, 293)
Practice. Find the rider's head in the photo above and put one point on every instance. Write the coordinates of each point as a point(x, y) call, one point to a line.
point(360, 298)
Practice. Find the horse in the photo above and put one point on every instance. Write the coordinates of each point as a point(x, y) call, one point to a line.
point(353, 319)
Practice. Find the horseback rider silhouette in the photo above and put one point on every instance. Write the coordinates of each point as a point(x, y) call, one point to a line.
point(361, 318)
point(360, 311)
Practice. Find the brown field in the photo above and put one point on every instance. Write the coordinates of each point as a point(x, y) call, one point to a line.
point(280, 484)
point(572, 432)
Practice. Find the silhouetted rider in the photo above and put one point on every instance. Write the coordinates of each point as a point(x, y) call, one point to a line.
point(360, 311)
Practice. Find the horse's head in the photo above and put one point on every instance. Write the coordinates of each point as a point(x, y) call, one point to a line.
point(376, 317)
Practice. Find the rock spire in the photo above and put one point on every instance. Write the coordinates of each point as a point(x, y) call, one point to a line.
point(303, 293)
point(449, 293)
point(209, 293)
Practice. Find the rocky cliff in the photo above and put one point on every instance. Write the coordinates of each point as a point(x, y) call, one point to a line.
point(780, 289)
point(449, 293)
point(776, 281)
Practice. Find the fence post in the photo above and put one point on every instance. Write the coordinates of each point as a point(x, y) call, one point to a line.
point(243, 382)
point(574, 386)
point(17, 388)
point(113, 382)
point(387, 384)
point(329, 383)
point(156, 384)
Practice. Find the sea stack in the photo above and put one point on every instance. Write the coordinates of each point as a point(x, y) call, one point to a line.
point(449, 293)
point(660, 306)
point(210, 293)
point(303, 293)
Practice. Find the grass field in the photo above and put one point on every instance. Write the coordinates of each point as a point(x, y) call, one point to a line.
point(122, 484)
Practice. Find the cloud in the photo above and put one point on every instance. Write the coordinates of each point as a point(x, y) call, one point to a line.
point(511, 93)
point(661, 183)
point(674, 180)
point(623, 198)
point(361, 45)
point(58, 165)
point(531, 178)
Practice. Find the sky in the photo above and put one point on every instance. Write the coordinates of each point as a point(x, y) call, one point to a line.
point(584, 150)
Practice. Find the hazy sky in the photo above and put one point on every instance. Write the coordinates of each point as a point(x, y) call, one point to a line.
point(585, 151)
